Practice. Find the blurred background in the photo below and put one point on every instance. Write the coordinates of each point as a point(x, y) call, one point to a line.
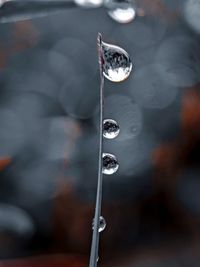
point(49, 93)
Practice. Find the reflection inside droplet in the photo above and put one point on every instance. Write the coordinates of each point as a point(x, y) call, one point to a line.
point(102, 225)
point(116, 63)
point(110, 128)
point(110, 164)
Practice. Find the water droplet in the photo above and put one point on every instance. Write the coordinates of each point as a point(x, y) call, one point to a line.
point(89, 3)
point(115, 62)
point(102, 225)
point(110, 128)
point(110, 164)
point(121, 11)
point(122, 15)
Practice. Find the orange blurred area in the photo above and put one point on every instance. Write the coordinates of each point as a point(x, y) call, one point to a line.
point(157, 8)
point(191, 111)
point(23, 36)
point(4, 162)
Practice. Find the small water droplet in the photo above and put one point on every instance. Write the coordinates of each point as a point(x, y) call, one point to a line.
point(110, 164)
point(122, 15)
point(89, 3)
point(116, 62)
point(121, 11)
point(102, 225)
point(110, 128)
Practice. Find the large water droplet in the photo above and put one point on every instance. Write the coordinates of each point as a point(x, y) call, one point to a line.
point(102, 225)
point(110, 164)
point(110, 128)
point(120, 11)
point(115, 62)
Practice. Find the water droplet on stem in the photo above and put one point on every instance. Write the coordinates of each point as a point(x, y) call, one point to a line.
point(110, 128)
point(110, 164)
point(102, 225)
point(115, 61)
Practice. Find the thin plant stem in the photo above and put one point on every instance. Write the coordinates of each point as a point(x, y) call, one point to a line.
point(95, 236)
